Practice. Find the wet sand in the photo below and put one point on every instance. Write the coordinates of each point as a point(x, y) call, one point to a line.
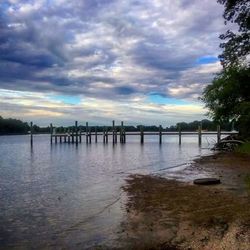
point(169, 214)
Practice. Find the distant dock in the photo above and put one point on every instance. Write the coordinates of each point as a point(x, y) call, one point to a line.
point(75, 135)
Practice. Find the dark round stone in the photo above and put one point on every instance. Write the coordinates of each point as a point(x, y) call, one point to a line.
point(207, 181)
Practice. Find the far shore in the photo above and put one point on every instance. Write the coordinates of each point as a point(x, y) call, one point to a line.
point(9, 134)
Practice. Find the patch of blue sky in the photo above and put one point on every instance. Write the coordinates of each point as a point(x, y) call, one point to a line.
point(158, 99)
point(4, 5)
point(207, 59)
point(67, 99)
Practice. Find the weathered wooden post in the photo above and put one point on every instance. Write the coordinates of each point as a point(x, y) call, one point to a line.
point(179, 127)
point(64, 135)
point(95, 134)
point(68, 135)
point(80, 135)
point(90, 136)
point(103, 134)
point(107, 135)
point(55, 136)
point(76, 130)
point(51, 132)
point(31, 133)
point(72, 135)
point(87, 132)
point(113, 130)
point(121, 132)
point(124, 135)
point(142, 134)
point(60, 139)
point(115, 135)
point(199, 135)
point(160, 134)
point(218, 133)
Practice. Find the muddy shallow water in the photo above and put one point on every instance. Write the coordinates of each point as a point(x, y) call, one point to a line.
point(61, 195)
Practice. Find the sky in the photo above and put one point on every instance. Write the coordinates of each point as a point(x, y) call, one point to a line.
point(140, 61)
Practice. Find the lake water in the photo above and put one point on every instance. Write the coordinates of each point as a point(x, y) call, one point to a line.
point(63, 195)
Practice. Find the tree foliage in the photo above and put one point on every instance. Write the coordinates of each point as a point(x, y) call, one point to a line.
point(228, 97)
point(13, 126)
point(237, 44)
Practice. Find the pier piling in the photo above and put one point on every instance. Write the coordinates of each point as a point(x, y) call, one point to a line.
point(142, 134)
point(76, 131)
point(95, 134)
point(113, 130)
point(87, 132)
point(160, 134)
point(179, 128)
point(51, 132)
point(199, 135)
point(218, 134)
point(31, 133)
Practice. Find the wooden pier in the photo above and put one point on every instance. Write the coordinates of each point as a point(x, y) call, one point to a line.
point(75, 135)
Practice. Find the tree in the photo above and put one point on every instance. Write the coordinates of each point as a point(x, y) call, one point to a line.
point(228, 97)
point(237, 44)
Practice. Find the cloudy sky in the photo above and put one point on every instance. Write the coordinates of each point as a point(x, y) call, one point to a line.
point(141, 61)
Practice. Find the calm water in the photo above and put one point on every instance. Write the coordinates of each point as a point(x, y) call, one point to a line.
point(67, 195)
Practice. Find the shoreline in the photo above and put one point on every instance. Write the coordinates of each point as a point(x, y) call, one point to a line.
point(169, 214)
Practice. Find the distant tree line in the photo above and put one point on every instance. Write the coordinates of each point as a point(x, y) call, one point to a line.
point(205, 125)
point(14, 126)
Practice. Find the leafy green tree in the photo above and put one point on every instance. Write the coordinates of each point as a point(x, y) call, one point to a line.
point(237, 44)
point(228, 97)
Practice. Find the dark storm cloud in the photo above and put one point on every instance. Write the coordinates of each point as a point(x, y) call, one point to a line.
point(104, 48)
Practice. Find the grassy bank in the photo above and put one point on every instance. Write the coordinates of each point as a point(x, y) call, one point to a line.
point(244, 148)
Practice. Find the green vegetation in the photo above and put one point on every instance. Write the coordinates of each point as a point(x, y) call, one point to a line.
point(247, 182)
point(237, 44)
point(13, 126)
point(228, 97)
point(244, 148)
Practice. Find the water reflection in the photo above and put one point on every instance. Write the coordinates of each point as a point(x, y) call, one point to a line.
point(69, 195)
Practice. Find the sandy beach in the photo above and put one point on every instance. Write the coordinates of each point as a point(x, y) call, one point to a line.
point(167, 214)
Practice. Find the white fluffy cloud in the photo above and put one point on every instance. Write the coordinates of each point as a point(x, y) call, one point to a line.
point(109, 53)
